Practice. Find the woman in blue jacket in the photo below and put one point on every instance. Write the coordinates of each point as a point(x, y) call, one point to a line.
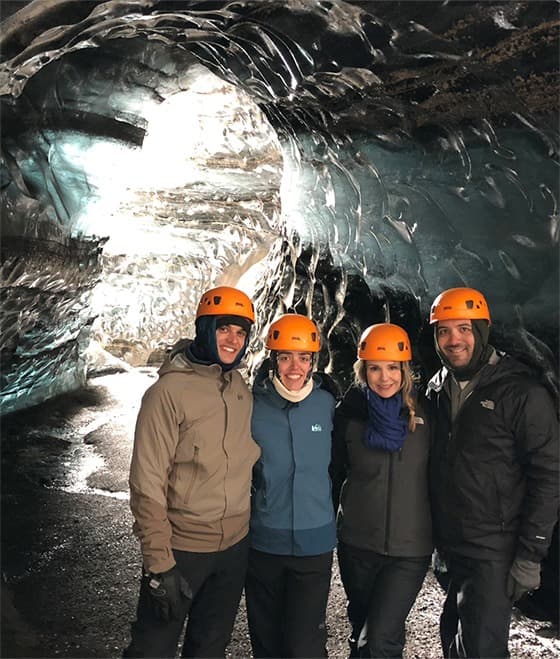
point(292, 530)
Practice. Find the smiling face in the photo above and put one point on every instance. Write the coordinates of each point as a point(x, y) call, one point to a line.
point(456, 341)
point(230, 339)
point(384, 378)
point(293, 369)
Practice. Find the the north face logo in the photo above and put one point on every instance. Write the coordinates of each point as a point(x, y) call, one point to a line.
point(487, 404)
point(316, 427)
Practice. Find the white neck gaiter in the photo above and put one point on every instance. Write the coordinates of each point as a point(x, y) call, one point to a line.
point(292, 396)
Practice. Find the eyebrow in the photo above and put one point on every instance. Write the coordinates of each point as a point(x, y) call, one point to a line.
point(238, 327)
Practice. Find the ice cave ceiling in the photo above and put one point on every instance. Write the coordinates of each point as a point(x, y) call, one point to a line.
point(343, 159)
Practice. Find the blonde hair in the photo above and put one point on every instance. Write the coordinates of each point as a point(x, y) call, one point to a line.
point(408, 379)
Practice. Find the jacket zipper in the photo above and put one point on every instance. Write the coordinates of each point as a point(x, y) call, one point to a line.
point(388, 508)
point(293, 480)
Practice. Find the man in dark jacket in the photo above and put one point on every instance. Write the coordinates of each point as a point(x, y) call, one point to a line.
point(494, 476)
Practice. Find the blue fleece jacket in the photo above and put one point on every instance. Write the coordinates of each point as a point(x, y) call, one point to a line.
point(291, 505)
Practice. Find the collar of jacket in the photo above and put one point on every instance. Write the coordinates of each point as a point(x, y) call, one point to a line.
point(178, 361)
point(437, 383)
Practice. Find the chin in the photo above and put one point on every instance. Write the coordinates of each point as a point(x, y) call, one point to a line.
point(386, 394)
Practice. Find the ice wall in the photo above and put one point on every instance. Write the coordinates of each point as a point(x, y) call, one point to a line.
point(345, 159)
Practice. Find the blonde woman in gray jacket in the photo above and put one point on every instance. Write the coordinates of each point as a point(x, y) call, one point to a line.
point(380, 483)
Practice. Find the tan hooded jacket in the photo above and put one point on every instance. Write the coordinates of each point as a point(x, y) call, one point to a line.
point(190, 475)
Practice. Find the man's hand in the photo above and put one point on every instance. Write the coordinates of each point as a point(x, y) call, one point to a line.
point(169, 592)
point(523, 577)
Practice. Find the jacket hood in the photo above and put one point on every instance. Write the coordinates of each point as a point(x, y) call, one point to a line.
point(178, 362)
point(354, 404)
point(262, 373)
point(505, 367)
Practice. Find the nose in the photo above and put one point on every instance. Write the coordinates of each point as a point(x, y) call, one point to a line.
point(233, 336)
point(454, 336)
point(294, 363)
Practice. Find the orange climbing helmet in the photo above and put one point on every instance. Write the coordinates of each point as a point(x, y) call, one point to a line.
point(459, 304)
point(293, 333)
point(225, 301)
point(385, 342)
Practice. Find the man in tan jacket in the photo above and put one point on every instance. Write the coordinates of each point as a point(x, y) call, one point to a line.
point(190, 481)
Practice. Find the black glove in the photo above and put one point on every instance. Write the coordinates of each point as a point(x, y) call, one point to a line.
point(168, 592)
point(523, 577)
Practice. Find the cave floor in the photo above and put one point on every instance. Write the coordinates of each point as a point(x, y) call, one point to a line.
point(70, 564)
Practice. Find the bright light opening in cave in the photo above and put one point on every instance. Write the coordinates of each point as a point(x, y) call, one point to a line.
point(198, 205)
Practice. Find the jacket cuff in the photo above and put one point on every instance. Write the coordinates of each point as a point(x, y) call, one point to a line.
point(160, 562)
point(525, 554)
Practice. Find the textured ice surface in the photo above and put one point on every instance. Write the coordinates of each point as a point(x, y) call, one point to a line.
point(346, 160)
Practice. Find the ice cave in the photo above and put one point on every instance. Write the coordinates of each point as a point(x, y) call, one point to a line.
point(348, 160)
point(345, 159)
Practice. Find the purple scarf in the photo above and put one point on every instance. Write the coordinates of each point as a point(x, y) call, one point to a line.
point(386, 429)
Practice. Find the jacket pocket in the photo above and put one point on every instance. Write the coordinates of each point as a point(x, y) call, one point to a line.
point(186, 470)
point(499, 502)
point(194, 475)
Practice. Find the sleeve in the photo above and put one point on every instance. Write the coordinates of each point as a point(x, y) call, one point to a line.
point(155, 441)
point(536, 427)
point(339, 456)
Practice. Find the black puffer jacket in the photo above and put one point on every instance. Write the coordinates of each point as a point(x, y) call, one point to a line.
point(494, 471)
point(383, 496)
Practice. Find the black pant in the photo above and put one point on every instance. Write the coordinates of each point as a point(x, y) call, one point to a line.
point(216, 580)
point(477, 611)
point(381, 590)
point(286, 600)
